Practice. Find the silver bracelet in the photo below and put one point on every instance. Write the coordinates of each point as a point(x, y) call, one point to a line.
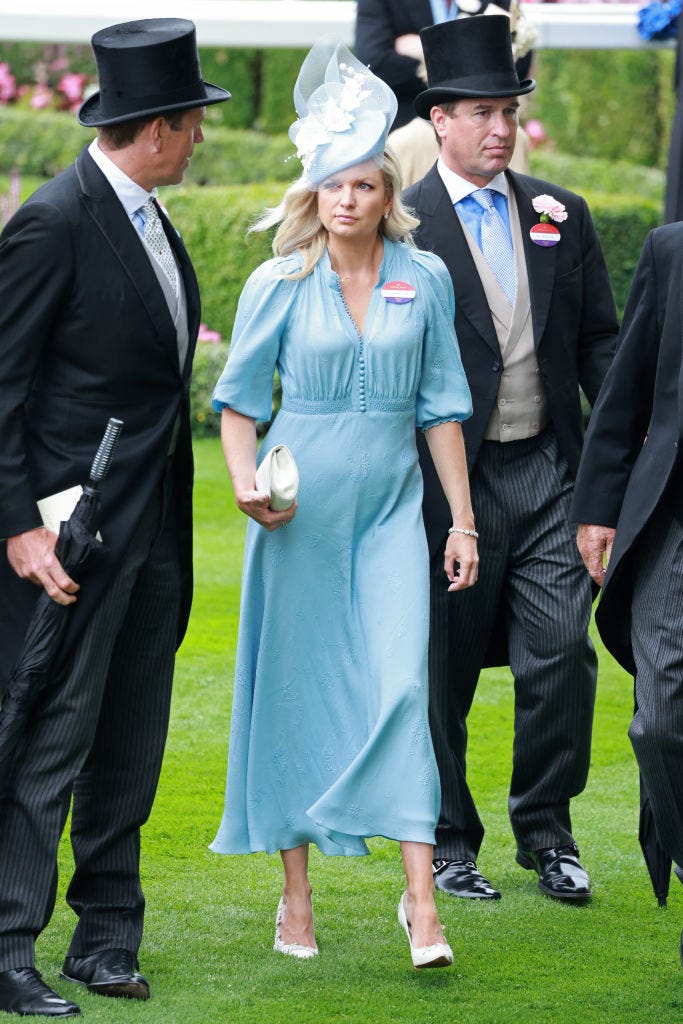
point(468, 533)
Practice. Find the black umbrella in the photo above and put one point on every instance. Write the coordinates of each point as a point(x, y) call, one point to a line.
point(657, 859)
point(77, 548)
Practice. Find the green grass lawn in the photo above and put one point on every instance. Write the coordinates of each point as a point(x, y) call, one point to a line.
point(210, 920)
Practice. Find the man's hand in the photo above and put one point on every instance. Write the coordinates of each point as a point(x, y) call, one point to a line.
point(32, 556)
point(595, 546)
point(409, 45)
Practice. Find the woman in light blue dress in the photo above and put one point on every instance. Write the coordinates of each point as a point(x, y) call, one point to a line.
point(330, 741)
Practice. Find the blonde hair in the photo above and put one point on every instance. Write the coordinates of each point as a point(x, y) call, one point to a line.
point(300, 228)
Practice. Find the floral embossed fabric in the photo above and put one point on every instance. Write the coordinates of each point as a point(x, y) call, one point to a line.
point(329, 739)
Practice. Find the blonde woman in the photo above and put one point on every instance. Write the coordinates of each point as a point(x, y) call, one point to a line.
point(330, 741)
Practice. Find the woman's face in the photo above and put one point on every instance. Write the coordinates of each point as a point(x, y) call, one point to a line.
point(351, 204)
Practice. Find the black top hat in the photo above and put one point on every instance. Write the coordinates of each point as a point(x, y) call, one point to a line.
point(469, 57)
point(147, 67)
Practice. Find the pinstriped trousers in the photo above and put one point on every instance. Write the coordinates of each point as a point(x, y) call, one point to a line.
point(656, 731)
point(99, 736)
point(532, 581)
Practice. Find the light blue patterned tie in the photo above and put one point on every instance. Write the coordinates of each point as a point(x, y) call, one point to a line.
point(496, 244)
point(156, 239)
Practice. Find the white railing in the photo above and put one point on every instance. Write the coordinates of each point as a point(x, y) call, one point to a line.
point(278, 23)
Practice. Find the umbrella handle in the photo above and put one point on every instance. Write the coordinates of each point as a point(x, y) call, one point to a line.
point(102, 460)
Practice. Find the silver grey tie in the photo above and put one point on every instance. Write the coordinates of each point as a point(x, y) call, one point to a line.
point(496, 244)
point(156, 239)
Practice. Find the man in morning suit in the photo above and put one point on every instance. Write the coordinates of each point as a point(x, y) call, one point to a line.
point(534, 322)
point(628, 500)
point(99, 312)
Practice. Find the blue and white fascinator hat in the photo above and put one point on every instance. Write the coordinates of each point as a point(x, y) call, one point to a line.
point(344, 112)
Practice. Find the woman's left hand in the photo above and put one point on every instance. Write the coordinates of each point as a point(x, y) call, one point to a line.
point(461, 562)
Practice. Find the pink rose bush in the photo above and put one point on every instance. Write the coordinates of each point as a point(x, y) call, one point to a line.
point(8, 84)
point(72, 85)
point(53, 84)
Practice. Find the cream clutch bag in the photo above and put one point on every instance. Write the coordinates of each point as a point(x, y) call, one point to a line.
point(279, 476)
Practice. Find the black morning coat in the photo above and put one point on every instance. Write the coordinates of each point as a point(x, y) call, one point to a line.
point(631, 456)
point(85, 334)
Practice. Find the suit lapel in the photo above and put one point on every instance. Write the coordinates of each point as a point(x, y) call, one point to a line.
point(541, 263)
point(447, 237)
point(102, 205)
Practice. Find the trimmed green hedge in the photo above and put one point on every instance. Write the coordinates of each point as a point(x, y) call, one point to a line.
point(590, 174)
point(614, 104)
point(278, 75)
point(43, 143)
point(622, 222)
point(213, 223)
point(237, 71)
point(39, 143)
point(208, 364)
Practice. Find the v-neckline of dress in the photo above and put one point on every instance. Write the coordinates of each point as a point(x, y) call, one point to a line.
point(335, 281)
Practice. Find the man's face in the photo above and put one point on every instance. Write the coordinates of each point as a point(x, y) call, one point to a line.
point(478, 137)
point(178, 145)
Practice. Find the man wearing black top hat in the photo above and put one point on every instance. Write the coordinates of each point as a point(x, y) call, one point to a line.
point(99, 312)
point(535, 320)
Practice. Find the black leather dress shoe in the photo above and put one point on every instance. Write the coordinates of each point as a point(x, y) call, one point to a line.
point(23, 991)
point(560, 874)
point(112, 972)
point(461, 878)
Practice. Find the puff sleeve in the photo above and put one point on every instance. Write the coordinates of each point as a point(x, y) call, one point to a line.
point(443, 393)
point(246, 383)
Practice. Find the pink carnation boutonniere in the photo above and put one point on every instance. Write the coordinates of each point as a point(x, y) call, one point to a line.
point(545, 233)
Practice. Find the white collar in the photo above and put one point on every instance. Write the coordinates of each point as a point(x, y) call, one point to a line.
point(458, 188)
point(131, 195)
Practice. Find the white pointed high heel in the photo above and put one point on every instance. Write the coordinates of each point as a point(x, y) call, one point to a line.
point(290, 948)
point(439, 954)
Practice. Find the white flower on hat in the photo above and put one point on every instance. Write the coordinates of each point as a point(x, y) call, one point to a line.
point(310, 134)
point(316, 129)
point(334, 118)
point(353, 93)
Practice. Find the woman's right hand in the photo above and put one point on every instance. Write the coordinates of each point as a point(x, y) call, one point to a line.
point(255, 505)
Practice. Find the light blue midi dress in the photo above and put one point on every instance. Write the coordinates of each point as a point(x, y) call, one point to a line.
point(330, 741)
